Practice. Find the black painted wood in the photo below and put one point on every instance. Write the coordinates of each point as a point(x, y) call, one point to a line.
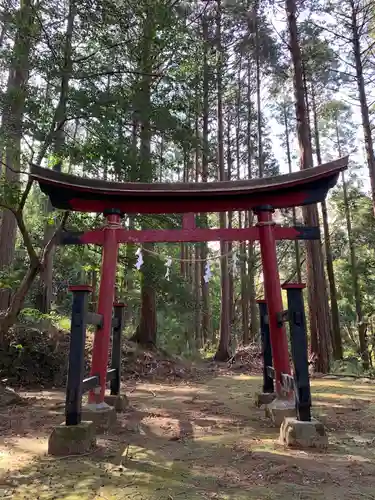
point(74, 388)
point(298, 335)
point(95, 319)
point(111, 374)
point(116, 348)
point(268, 385)
point(90, 383)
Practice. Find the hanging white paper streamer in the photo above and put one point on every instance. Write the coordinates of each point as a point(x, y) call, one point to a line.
point(139, 262)
point(168, 270)
point(234, 263)
point(207, 273)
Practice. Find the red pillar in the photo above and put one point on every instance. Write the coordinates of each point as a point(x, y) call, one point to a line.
point(272, 289)
point(100, 352)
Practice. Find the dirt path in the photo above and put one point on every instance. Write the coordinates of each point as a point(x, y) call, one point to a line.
point(195, 441)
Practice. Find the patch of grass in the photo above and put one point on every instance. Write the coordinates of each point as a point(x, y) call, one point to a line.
point(63, 323)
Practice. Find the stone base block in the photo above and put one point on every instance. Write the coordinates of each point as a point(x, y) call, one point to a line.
point(68, 440)
point(295, 433)
point(279, 409)
point(264, 398)
point(103, 415)
point(119, 402)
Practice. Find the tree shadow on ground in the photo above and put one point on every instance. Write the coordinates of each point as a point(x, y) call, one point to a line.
point(196, 442)
point(152, 467)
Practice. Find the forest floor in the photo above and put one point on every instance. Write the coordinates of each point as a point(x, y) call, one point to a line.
point(192, 440)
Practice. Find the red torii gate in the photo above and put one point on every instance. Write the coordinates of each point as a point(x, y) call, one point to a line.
point(114, 199)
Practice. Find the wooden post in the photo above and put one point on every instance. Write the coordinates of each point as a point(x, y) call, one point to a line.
point(298, 337)
point(268, 386)
point(279, 341)
point(119, 315)
point(74, 389)
point(105, 303)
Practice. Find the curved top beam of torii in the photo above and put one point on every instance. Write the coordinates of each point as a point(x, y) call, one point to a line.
point(83, 194)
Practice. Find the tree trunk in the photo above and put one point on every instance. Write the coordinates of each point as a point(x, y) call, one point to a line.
point(184, 246)
point(250, 218)
point(146, 331)
point(317, 292)
point(197, 278)
point(243, 277)
point(258, 84)
point(361, 325)
point(35, 266)
point(11, 131)
point(294, 213)
point(230, 224)
point(369, 146)
point(206, 318)
point(44, 300)
point(130, 247)
point(222, 353)
point(335, 317)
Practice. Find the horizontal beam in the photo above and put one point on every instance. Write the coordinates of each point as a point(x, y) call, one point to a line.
point(95, 319)
point(287, 382)
point(96, 237)
point(271, 372)
point(111, 374)
point(90, 383)
point(83, 194)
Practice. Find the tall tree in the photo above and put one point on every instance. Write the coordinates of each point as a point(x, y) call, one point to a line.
point(57, 138)
point(318, 300)
point(146, 330)
point(222, 353)
point(320, 73)
point(337, 116)
point(11, 127)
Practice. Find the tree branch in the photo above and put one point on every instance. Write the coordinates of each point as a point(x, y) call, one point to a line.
point(50, 244)
point(26, 238)
point(100, 49)
point(25, 194)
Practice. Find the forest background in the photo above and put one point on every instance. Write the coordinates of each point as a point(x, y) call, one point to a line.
point(167, 90)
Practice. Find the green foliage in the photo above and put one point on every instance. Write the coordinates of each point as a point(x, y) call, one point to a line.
point(133, 110)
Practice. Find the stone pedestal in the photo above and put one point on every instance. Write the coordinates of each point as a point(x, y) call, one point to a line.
point(279, 409)
point(72, 439)
point(102, 415)
point(119, 402)
point(264, 398)
point(295, 433)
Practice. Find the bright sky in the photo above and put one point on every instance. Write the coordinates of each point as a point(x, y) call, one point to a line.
point(278, 23)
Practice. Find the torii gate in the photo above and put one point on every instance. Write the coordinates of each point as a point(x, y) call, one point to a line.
point(115, 199)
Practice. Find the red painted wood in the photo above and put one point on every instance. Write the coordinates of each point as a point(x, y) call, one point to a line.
point(95, 237)
point(105, 305)
point(188, 221)
point(272, 290)
point(80, 288)
point(168, 205)
point(282, 191)
point(288, 286)
point(187, 235)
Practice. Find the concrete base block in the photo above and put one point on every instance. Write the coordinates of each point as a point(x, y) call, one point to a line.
point(68, 440)
point(295, 433)
point(119, 402)
point(103, 415)
point(264, 398)
point(279, 409)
